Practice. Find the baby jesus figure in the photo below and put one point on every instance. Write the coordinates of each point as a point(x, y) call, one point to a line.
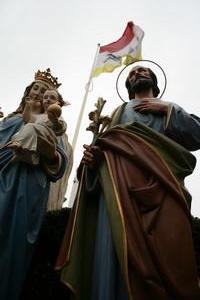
point(31, 142)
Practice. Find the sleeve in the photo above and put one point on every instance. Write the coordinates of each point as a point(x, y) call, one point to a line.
point(184, 128)
point(55, 170)
point(9, 126)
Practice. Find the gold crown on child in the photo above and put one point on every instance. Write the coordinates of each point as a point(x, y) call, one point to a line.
point(47, 77)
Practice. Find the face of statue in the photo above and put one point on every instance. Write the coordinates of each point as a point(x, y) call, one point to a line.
point(138, 73)
point(36, 94)
point(140, 80)
point(50, 97)
point(37, 91)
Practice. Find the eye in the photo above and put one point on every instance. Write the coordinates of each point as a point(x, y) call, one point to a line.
point(35, 87)
point(53, 97)
point(43, 90)
point(132, 73)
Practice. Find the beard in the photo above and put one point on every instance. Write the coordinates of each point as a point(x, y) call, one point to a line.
point(141, 85)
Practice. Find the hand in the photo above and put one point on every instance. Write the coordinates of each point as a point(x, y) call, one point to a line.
point(156, 107)
point(91, 155)
point(32, 104)
point(28, 102)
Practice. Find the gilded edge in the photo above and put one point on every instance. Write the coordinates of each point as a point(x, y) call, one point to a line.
point(77, 207)
point(123, 223)
point(169, 112)
point(69, 287)
point(72, 235)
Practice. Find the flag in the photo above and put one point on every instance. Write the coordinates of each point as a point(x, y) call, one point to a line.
point(128, 47)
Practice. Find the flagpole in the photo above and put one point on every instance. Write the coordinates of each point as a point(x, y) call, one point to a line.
point(84, 101)
point(76, 133)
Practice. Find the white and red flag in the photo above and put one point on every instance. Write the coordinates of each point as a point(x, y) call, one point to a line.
point(124, 51)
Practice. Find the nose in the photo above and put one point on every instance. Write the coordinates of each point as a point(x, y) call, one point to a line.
point(36, 95)
point(46, 100)
point(39, 93)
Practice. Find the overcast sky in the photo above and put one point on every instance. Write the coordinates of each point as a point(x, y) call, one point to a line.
point(63, 35)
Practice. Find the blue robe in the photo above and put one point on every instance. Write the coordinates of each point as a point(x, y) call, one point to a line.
point(24, 193)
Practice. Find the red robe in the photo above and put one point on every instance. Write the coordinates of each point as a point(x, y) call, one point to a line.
point(141, 177)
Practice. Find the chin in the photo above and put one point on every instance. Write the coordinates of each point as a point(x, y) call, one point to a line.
point(141, 85)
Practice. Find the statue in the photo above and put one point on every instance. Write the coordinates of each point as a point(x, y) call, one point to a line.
point(58, 189)
point(24, 189)
point(1, 113)
point(129, 234)
point(27, 143)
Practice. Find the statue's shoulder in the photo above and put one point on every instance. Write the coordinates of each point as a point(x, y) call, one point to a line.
point(116, 114)
point(118, 109)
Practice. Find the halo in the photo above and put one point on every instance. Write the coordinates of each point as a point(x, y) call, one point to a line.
point(146, 61)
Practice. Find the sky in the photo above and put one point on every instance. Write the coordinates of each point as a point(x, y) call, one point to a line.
point(63, 35)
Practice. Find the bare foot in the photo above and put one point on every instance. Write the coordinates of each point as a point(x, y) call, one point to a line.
point(14, 145)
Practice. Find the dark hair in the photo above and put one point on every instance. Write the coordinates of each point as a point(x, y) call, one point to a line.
point(155, 87)
point(60, 99)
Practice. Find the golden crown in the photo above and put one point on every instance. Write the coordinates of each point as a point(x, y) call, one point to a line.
point(47, 77)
